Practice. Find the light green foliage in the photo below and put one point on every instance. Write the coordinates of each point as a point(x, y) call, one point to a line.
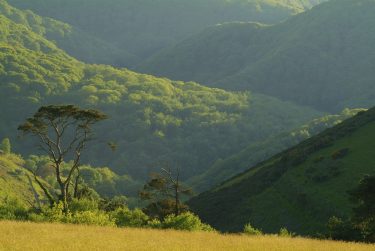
point(185, 221)
point(74, 41)
point(250, 230)
point(285, 233)
point(6, 146)
point(12, 209)
point(125, 217)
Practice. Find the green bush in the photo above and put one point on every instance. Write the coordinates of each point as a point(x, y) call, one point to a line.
point(125, 217)
point(12, 209)
point(186, 221)
point(285, 233)
point(83, 205)
point(250, 230)
point(97, 218)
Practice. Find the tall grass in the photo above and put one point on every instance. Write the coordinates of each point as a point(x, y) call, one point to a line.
point(32, 236)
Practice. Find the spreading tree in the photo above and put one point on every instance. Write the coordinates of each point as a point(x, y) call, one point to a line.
point(62, 132)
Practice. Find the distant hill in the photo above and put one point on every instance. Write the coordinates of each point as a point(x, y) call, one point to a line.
point(321, 58)
point(144, 27)
point(299, 188)
point(152, 120)
point(76, 42)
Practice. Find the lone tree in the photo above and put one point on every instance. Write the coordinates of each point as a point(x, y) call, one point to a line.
point(164, 191)
point(62, 132)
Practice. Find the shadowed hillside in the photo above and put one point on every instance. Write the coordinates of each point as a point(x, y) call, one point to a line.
point(299, 188)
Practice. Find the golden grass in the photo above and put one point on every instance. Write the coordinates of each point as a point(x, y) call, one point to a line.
point(32, 236)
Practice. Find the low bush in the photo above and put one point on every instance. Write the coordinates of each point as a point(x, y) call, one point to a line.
point(250, 230)
point(185, 221)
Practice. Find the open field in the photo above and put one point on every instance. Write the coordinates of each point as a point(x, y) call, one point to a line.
point(32, 236)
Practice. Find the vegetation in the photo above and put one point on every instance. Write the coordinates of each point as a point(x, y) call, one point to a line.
point(27, 236)
point(142, 27)
point(74, 41)
point(257, 152)
point(300, 188)
point(63, 132)
point(152, 119)
point(165, 194)
point(310, 59)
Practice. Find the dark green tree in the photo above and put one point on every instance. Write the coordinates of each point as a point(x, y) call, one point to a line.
point(364, 214)
point(62, 132)
point(164, 191)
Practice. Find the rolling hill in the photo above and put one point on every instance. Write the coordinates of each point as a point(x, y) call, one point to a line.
point(320, 58)
point(152, 120)
point(144, 27)
point(299, 188)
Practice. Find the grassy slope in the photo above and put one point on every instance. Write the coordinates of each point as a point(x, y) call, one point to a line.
point(324, 55)
point(142, 27)
point(14, 181)
point(299, 188)
point(31, 236)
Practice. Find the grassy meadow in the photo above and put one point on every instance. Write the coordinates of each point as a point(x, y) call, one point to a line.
point(32, 236)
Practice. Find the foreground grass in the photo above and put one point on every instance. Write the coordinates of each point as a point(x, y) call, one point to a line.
point(32, 236)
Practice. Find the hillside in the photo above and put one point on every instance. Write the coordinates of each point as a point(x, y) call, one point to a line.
point(320, 58)
point(76, 42)
point(28, 236)
point(299, 188)
point(15, 182)
point(144, 27)
point(257, 152)
point(152, 120)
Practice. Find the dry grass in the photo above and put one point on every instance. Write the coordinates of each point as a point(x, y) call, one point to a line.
point(31, 236)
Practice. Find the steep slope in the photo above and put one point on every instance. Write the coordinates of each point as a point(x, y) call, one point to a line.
point(152, 120)
point(299, 188)
point(80, 44)
point(16, 182)
point(144, 27)
point(257, 152)
point(321, 58)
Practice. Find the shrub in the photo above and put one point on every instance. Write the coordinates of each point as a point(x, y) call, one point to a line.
point(250, 230)
point(285, 233)
point(12, 209)
point(83, 205)
point(97, 218)
point(124, 217)
point(185, 221)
